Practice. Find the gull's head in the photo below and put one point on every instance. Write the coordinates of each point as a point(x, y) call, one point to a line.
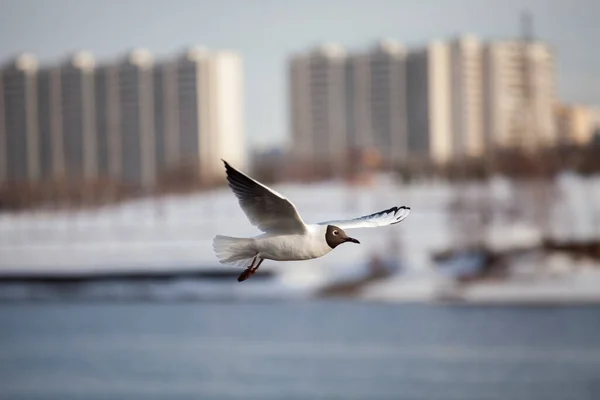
point(336, 236)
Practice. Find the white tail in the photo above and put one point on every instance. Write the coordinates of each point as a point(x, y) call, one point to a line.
point(232, 250)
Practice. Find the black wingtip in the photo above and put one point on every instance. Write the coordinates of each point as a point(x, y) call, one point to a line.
point(228, 166)
point(395, 209)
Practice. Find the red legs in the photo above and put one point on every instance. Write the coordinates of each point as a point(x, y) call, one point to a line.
point(253, 262)
point(260, 260)
point(251, 270)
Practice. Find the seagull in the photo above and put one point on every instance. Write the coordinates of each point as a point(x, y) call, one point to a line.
point(286, 236)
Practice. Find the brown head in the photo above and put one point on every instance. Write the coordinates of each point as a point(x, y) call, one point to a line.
point(336, 236)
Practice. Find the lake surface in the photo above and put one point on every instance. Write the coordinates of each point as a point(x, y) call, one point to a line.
point(297, 350)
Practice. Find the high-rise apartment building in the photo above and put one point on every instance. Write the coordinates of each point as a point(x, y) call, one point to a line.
point(466, 57)
point(519, 85)
point(3, 138)
point(50, 122)
point(429, 91)
point(108, 122)
point(576, 124)
point(376, 95)
point(20, 147)
point(319, 103)
point(166, 117)
point(136, 119)
point(398, 103)
point(199, 119)
point(78, 111)
point(446, 102)
point(224, 100)
point(127, 121)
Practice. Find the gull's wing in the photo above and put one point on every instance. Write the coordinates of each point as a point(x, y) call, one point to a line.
point(382, 218)
point(266, 209)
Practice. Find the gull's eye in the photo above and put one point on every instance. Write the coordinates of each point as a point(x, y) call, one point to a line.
point(335, 233)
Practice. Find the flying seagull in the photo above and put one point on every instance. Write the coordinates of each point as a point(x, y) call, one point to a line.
point(286, 237)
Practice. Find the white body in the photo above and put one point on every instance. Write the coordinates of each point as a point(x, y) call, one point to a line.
point(287, 247)
point(292, 247)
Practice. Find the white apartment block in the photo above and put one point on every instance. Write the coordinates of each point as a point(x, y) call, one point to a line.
point(166, 118)
point(376, 96)
point(223, 136)
point(319, 102)
point(466, 58)
point(136, 119)
point(3, 138)
point(199, 119)
point(108, 122)
point(429, 100)
point(52, 148)
point(576, 124)
point(519, 86)
point(127, 121)
point(19, 131)
point(445, 102)
point(78, 112)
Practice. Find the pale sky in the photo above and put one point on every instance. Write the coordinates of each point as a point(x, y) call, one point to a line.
point(265, 32)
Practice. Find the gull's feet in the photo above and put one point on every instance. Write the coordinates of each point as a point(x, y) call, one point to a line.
point(248, 272)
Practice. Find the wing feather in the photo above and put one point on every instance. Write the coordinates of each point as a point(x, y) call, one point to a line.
point(266, 209)
point(391, 216)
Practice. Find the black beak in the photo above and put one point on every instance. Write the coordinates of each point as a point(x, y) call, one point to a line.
point(352, 240)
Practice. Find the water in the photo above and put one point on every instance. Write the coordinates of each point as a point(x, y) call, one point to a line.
point(297, 350)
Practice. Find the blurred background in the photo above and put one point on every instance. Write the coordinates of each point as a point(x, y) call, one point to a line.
point(482, 116)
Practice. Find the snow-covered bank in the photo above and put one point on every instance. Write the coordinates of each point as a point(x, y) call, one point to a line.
point(581, 287)
point(177, 231)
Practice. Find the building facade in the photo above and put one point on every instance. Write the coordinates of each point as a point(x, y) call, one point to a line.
point(52, 149)
point(78, 110)
point(319, 103)
point(108, 126)
point(446, 102)
point(429, 106)
point(466, 59)
point(576, 124)
point(199, 119)
point(126, 121)
point(519, 104)
point(20, 158)
point(136, 119)
point(376, 94)
point(224, 134)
